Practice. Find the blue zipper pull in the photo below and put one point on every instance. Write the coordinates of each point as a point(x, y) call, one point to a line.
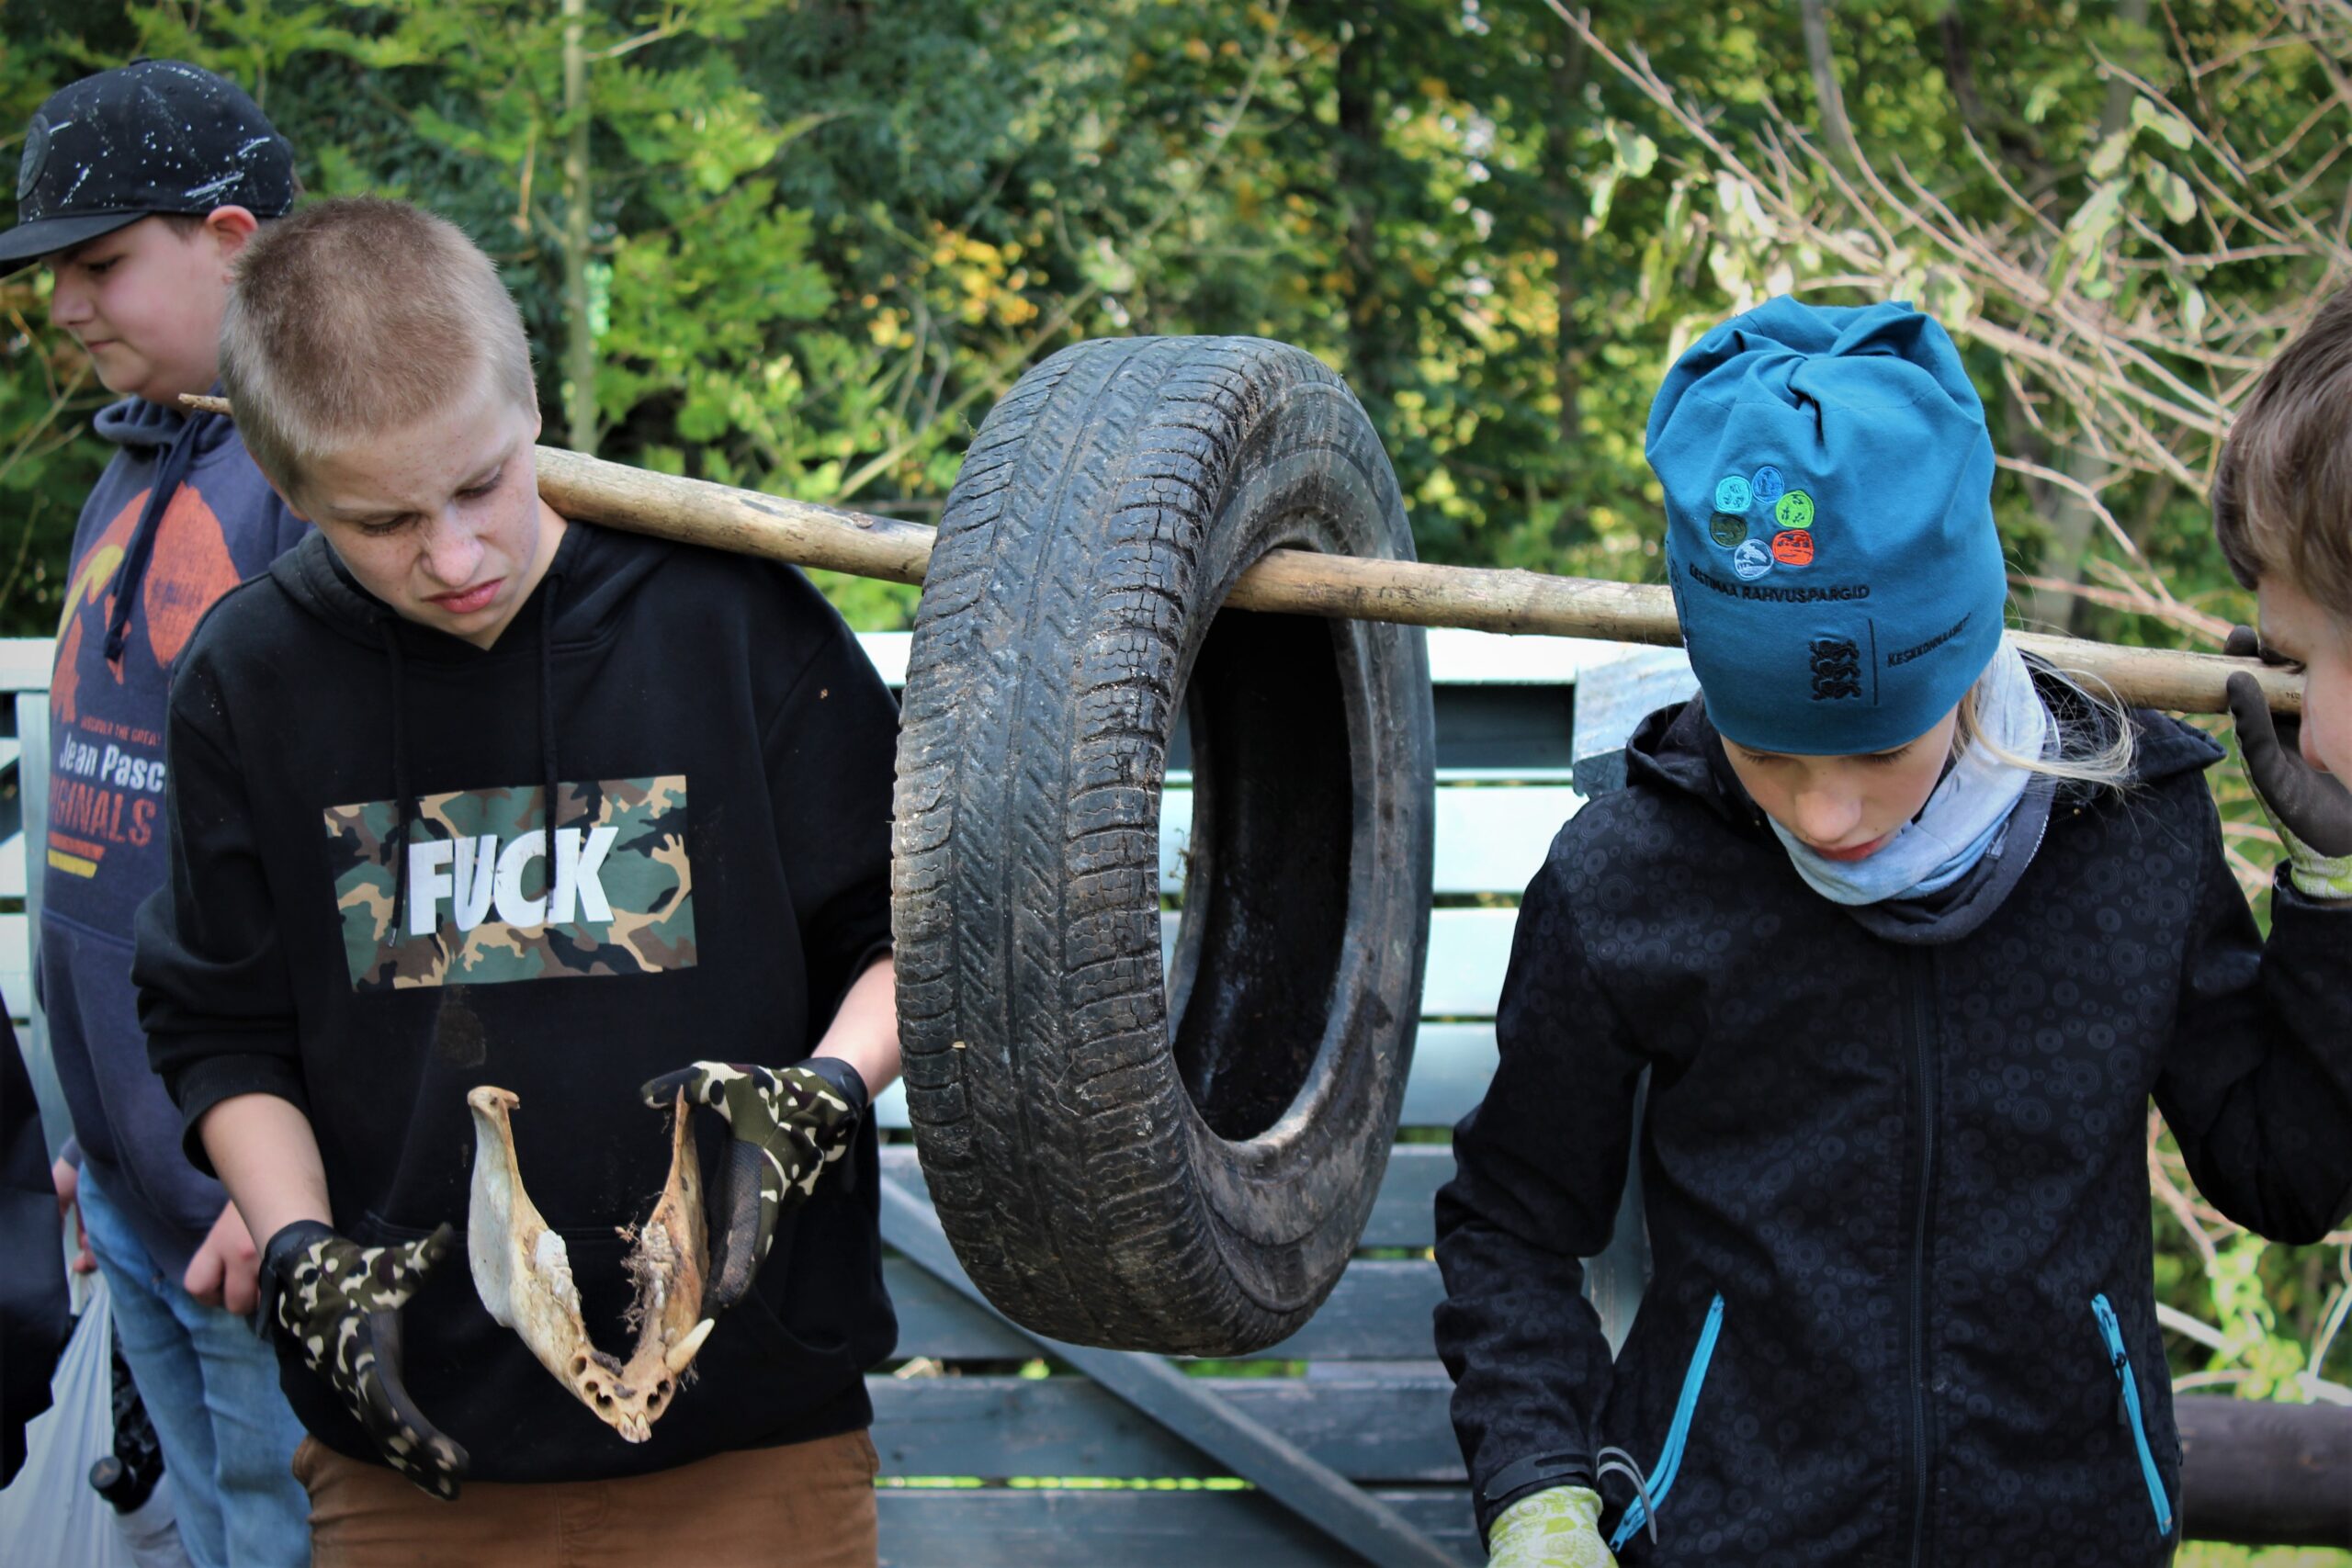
point(2110, 1331)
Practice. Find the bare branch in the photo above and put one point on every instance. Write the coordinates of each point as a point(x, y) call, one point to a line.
point(1821, 63)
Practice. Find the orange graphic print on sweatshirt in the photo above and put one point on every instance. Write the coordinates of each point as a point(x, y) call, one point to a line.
point(190, 568)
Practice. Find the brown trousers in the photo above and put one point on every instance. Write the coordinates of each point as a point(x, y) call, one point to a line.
point(802, 1506)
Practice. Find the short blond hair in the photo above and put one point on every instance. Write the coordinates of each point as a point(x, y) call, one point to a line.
point(356, 315)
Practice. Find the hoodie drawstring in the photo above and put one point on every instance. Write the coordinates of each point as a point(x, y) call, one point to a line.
point(1617, 1461)
point(406, 812)
point(177, 462)
point(547, 589)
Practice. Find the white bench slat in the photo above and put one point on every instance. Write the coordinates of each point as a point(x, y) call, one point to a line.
point(1488, 841)
point(1379, 1311)
point(1469, 952)
point(1457, 657)
point(15, 965)
point(25, 663)
point(1403, 1214)
point(1461, 657)
point(1452, 1063)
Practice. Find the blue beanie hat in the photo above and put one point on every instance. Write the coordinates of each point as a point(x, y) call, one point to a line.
point(1828, 525)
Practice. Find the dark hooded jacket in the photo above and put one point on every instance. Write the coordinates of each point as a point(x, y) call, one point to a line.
point(723, 754)
point(1902, 1309)
point(180, 516)
point(36, 1316)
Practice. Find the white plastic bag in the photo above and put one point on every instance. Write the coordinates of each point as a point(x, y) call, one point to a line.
point(48, 1514)
point(151, 1532)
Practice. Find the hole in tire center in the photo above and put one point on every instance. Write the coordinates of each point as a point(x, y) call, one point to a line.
point(1266, 893)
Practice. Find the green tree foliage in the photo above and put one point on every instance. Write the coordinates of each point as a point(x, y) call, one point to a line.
point(811, 241)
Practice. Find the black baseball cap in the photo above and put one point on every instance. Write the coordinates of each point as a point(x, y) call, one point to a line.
point(152, 136)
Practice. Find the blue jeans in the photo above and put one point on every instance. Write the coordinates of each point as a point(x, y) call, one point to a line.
point(210, 1387)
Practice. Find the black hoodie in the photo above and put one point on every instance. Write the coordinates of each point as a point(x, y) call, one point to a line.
point(1902, 1310)
point(724, 752)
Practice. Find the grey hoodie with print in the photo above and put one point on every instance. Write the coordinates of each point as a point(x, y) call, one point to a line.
point(146, 573)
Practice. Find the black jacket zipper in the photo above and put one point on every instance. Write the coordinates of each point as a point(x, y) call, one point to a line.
point(1920, 981)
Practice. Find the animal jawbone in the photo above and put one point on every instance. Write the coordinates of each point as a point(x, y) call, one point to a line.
point(523, 1273)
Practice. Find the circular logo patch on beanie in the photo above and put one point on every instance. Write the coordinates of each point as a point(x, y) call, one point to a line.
point(1795, 510)
point(1792, 546)
point(1732, 493)
point(1751, 560)
point(1769, 484)
point(1726, 529)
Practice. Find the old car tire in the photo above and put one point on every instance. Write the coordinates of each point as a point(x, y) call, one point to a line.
point(1172, 1156)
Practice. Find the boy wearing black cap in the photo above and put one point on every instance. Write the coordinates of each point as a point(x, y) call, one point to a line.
point(137, 188)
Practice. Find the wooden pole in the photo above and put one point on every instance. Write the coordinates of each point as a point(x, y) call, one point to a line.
point(2265, 1473)
point(1290, 581)
point(1303, 583)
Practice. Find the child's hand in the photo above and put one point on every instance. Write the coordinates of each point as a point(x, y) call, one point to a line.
point(224, 1272)
point(338, 1305)
point(789, 1124)
point(66, 1177)
point(1558, 1529)
point(2311, 809)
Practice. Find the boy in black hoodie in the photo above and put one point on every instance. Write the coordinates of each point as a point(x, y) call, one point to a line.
point(373, 909)
point(137, 188)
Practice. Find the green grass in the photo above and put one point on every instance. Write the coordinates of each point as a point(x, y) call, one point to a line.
point(2206, 1554)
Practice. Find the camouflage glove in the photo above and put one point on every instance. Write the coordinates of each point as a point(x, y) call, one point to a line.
point(1555, 1528)
point(2311, 810)
point(338, 1305)
point(789, 1124)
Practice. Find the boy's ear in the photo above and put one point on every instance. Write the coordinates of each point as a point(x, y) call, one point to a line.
point(285, 495)
point(228, 229)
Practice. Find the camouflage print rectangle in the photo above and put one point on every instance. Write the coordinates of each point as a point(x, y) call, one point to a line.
point(479, 885)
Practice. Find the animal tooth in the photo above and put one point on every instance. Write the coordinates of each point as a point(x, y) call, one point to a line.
point(684, 1350)
point(523, 1273)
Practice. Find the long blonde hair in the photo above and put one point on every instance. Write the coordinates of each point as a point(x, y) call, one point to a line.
point(2095, 744)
